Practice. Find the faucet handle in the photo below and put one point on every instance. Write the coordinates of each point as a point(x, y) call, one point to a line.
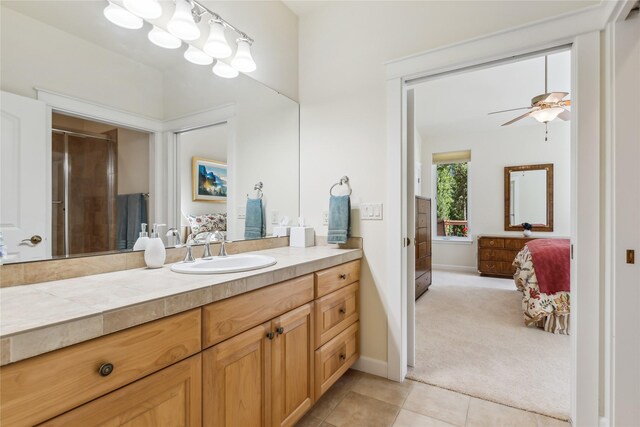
point(189, 255)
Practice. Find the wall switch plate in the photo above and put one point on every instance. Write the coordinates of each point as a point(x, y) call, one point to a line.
point(325, 217)
point(274, 217)
point(371, 211)
point(241, 212)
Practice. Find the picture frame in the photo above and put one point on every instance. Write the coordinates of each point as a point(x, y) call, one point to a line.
point(209, 180)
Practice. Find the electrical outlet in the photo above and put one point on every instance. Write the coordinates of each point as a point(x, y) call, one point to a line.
point(325, 217)
point(241, 212)
point(274, 217)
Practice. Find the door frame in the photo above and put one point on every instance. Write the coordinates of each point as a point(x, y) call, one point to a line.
point(581, 30)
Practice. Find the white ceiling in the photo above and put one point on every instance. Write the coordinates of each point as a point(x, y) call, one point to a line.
point(303, 7)
point(460, 103)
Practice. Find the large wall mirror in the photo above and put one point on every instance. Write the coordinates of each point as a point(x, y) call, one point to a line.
point(528, 197)
point(103, 131)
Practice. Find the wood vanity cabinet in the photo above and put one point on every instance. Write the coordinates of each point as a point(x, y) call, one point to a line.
point(261, 358)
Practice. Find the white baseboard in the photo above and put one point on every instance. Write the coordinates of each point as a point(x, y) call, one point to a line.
point(371, 366)
point(464, 268)
point(604, 422)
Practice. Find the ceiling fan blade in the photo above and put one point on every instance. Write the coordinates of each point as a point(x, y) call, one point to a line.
point(512, 109)
point(565, 115)
point(554, 96)
point(517, 118)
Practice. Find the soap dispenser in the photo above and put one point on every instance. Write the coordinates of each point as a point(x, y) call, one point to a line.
point(154, 252)
point(142, 241)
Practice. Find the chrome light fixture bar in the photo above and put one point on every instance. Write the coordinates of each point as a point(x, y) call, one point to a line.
point(183, 26)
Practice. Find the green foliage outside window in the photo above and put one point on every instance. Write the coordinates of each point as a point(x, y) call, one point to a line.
point(451, 196)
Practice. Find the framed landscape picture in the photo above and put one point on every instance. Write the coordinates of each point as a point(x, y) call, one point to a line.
point(209, 180)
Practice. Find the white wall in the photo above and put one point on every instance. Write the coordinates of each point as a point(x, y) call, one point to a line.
point(343, 46)
point(209, 143)
point(490, 153)
point(38, 55)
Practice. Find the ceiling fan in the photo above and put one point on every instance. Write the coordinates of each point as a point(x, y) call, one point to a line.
point(545, 107)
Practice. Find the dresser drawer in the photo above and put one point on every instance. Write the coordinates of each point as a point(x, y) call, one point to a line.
point(337, 277)
point(336, 311)
point(496, 255)
point(421, 250)
point(421, 221)
point(496, 267)
point(488, 242)
point(335, 357)
point(423, 265)
point(229, 317)
point(422, 205)
point(45, 386)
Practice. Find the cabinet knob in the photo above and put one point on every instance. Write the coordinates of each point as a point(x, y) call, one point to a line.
point(342, 310)
point(270, 335)
point(105, 369)
point(343, 276)
point(343, 356)
point(280, 330)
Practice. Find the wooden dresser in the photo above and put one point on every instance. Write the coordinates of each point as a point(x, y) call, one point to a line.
point(496, 253)
point(423, 245)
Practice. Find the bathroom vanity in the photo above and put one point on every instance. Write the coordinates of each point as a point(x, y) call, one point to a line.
point(252, 348)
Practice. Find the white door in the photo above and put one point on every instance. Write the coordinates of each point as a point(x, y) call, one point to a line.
point(626, 292)
point(25, 178)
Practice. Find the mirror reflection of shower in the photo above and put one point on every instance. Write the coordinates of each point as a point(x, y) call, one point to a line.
point(100, 186)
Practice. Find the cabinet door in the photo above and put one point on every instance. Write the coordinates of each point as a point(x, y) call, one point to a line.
point(292, 366)
point(168, 398)
point(236, 380)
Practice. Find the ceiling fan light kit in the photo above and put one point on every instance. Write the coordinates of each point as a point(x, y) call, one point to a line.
point(545, 107)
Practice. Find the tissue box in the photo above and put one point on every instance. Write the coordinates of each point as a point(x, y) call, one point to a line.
point(280, 231)
point(302, 237)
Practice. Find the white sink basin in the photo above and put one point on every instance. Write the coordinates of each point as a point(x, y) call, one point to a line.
point(227, 264)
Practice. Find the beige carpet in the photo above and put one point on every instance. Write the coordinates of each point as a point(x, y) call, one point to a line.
point(470, 338)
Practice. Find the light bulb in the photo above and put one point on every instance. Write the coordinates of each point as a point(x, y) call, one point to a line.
point(161, 38)
point(546, 114)
point(181, 23)
point(224, 70)
point(122, 17)
point(243, 60)
point(216, 44)
point(196, 56)
point(146, 9)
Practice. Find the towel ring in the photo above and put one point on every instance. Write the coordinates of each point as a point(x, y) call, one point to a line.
point(258, 188)
point(343, 180)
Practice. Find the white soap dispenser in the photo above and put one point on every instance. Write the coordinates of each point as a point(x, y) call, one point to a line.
point(154, 253)
point(141, 243)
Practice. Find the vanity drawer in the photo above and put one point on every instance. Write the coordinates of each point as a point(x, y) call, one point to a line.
point(335, 357)
point(487, 242)
point(229, 317)
point(45, 386)
point(336, 311)
point(337, 277)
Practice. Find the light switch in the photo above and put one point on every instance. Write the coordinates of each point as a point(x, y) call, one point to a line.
point(325, 217)
point(371, 211)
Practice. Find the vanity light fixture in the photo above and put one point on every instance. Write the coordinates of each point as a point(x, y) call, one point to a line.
point(196, 56)
point(243, 60)
point(224, 70)
point(182, 24)
point(161, 38)
point(216, 44)
point(146, 9)
point(122, 17)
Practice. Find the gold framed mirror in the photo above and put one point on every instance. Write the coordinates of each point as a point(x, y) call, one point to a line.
point(528, 197)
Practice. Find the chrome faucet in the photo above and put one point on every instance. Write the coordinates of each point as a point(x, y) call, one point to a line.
point(219, 236)
point(173, 232)
point(189, 256)
point(207, 247)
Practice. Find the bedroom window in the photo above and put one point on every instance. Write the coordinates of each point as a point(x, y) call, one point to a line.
point(451, 179)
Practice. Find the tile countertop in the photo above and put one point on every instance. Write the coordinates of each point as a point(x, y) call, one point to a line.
point(42, 317)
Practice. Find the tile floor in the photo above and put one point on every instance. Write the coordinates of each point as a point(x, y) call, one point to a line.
point(359, 399)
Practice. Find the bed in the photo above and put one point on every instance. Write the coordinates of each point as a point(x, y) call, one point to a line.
point(545, 295)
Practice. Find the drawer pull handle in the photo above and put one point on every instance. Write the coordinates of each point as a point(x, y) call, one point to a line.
point(491, 242)
point(280, 330)
point(105, 369)
point(343, 356)
point(270, 335)
point(342, 310)
point(343, 276)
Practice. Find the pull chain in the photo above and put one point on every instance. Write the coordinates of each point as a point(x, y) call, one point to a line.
point(546, 131)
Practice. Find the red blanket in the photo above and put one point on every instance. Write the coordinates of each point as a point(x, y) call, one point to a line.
point(551, 259)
